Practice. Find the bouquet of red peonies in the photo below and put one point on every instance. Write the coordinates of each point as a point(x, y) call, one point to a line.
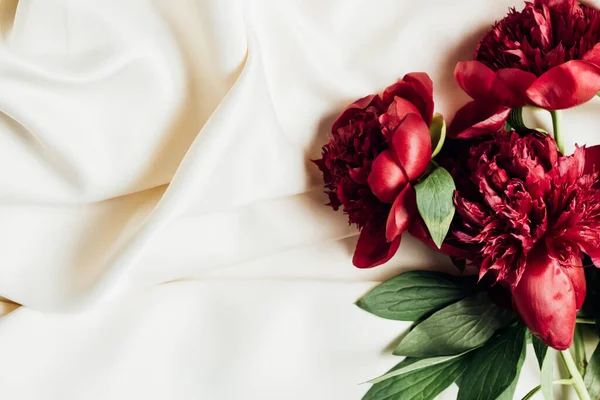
point(519, 218)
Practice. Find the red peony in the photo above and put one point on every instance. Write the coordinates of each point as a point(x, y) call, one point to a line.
point(378, 146)
point(547, 55)
point(526, 216)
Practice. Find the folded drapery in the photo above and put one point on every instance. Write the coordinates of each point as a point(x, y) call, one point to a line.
point(146, 142)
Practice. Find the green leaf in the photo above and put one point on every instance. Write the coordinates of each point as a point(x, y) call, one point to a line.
point(435, 204)
point(547, 374)
point(423, 384)
point(509, 393)
point(437, 131)
point(540, 349)
point(412, 295)
point(492, 369)
point(420, 364)
point(455, 329)
point(592, 376)
point(577, 350)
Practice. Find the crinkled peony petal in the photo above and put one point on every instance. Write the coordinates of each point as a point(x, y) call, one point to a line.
point(372, 249)
point(361, 104)
point(592, 159)
point(412, 144)
point(387, 178)
point(566, 85)
point(570, 168)
point(474, 214)
point(404, 209)
point(477, 118)
point(546, 301)
point(481, 83)
point(417, 88)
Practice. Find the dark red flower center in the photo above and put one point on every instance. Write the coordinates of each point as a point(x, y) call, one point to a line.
point(346, 164)
point(517, 191)
point(545, 34)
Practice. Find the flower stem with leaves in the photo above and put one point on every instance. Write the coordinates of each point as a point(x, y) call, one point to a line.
point(578, 384)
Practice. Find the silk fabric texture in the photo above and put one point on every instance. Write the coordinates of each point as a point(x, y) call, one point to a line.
point(160, 221)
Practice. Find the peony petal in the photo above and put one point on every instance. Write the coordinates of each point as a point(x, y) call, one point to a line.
point(417, 88)
point(474, 214)
point(418, 229)
point(592, 159)
point(545, 300)
point(372, 249)
point(593, 56)
point(361, 104)
point(566, 85)
point(595, 256)
point(481, 83)
point(422, 84)
point(404, 209)
point(577, 277)
point(396, 112)
point(477, 118)
point(400, 108)
point(412, 144)
point(517, 81)
point(387, 178)
point(476, 79)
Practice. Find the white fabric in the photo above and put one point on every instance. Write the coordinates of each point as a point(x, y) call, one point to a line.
point(104, 103)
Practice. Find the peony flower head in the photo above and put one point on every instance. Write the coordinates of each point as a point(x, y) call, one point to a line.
point(377, 147)
point(527, 215)
point(547, 55)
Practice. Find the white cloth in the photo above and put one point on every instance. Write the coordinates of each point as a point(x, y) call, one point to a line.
point(234, 281)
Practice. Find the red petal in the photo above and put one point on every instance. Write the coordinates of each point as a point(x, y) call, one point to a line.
point(418, 230)
point(506, 87)
point(592, 159)
point(412, 144)
point(593, 56)
point(577, 277)
point(546, 300)
point(400, 108)
point(595, 256)
point(387, 178)
point(360, 104)
point(372, 249)
point(477, 118)
point(396, 112)
point(417, 88)
point(517, 81)
point(403, 211)
point(566, 85)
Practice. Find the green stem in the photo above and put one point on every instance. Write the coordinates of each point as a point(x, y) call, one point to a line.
point(556, 122)
point(578, 350)
point(515, 119)
point(586, 321)
point(563, 382)
point(537, 388)
point(532, 393)
point(575, 375)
